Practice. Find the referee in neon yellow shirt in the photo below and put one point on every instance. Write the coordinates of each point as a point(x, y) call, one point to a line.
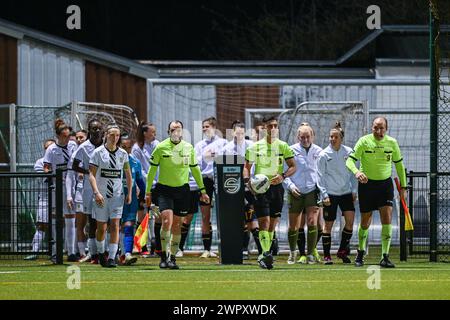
point(376, 153)
point(175, 158)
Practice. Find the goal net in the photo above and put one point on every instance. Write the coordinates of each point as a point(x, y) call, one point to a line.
point(33, 125)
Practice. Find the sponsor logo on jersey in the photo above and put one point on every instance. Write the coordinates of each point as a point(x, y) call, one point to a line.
point(110, 173)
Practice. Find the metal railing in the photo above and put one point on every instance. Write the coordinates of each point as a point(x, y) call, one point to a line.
point(26, 200)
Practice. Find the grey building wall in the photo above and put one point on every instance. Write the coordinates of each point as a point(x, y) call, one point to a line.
point(48, 76)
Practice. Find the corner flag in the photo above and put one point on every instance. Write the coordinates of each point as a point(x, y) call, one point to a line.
point(141, 235)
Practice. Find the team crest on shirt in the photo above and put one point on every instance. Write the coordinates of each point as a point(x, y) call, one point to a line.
point(105, 156)
point(121, 160)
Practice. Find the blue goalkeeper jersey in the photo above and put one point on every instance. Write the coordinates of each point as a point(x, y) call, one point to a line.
point(136, 175)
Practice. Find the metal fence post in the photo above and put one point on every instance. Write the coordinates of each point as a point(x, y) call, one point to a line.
point(410, 235)
point(51, 236)
point(433, 135)
point(403, 253)
point(59, 216)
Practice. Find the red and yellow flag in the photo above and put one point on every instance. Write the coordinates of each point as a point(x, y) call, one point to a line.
point(141, 235)
point(408, 221)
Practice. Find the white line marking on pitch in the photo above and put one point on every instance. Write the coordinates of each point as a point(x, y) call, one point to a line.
point(214, 281)
point(218, 270)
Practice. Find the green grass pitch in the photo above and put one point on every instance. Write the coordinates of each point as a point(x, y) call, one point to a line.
point(207, 279)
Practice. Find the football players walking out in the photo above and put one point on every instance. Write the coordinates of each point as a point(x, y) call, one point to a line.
point(376, 152)
point(41, 216)
point(81, 165)
point(57, 156)
point(130, 210)
point(303, 193)
point(206, 150)
point(268, 155)
point(106, 168)
point(74, 187)
point(174, 157)
point(338, 189)
point(142, 150)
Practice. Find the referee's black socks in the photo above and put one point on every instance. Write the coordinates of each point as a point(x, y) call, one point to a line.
point(158, 236)
point(319, 234)
point(207, 238)
point(345, 239)
point(184, 234)
point(255, 233)
point(326, 242)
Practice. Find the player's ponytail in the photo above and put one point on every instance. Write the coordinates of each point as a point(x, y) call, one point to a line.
point(307, 126)
point(142, 128)
point(60, 126)
point(237, 124)
point(338, 128)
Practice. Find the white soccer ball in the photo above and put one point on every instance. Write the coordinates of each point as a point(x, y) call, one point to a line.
point(260, 183)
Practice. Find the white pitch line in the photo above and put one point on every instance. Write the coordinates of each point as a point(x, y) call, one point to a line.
point(215, 281)
point(225, 270)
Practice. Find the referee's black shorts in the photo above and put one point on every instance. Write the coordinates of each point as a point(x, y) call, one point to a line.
point(177, 199)
point(155, 196)
point(270, 203)
point(344, 202)
point(375, 194)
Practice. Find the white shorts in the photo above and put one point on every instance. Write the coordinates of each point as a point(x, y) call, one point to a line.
point(88, 200)
point(65, 208)
point(112, 209)
point(42, 211)
point(78, 196)
point(79, 208)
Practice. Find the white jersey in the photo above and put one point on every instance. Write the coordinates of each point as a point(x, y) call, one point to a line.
point(233, 148)
point(305, 177)
point(143, 156)
point(57, 157)
point(206, 150)
point(150, 147)
point(39, 167)
point(334, 177)
point(109, 170)
point(83, 155)
point(73, 183)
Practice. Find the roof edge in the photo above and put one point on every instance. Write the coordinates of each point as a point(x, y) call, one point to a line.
point(91, 54)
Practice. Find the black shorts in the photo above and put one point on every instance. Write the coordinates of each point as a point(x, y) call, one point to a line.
point(344, 202)
point(209, 188)
point(375, 194)
point(176, 199)
point(155, 196)
point(194, 200)
point(270, 203)
point(249, 208)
